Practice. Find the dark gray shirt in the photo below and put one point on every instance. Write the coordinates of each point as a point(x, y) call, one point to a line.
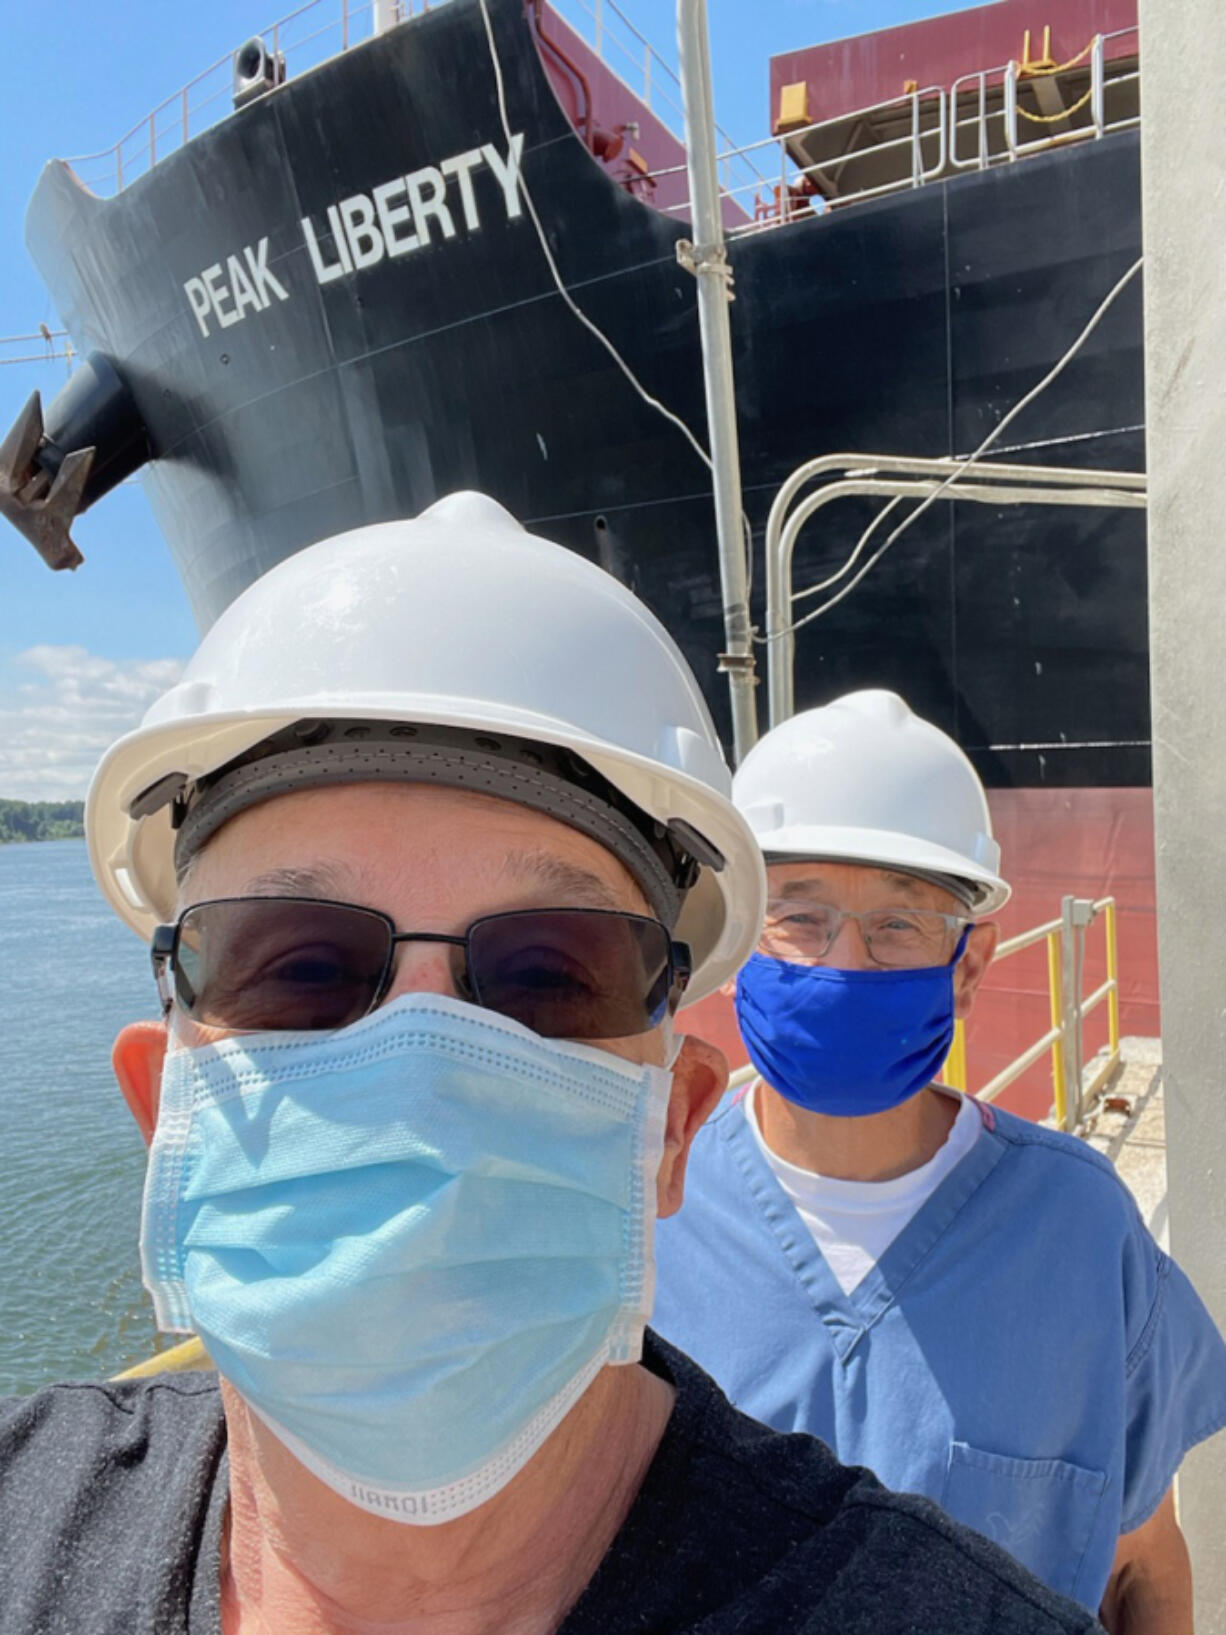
point(112, 1499)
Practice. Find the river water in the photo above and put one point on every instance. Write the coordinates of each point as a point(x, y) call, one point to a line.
point(71, 1160)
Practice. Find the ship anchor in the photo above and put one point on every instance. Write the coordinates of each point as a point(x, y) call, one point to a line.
point(54, 467)
point(38, 503)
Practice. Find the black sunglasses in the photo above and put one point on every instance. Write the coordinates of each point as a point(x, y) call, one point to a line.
point(290, 963)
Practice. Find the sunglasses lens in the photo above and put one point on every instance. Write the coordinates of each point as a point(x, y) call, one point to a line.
point(572, 973)
point(268, 963)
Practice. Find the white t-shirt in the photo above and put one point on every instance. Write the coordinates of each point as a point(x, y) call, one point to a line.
point(854, 1222)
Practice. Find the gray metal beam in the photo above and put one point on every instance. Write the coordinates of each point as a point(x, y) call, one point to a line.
point(872, 475)
point(1183, 152)
point(708, 261)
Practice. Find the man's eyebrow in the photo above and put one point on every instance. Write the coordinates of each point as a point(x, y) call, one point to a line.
point(799, 888)
point(319, 880)
point(575, 886)
point(906, 883)
point(817, 887)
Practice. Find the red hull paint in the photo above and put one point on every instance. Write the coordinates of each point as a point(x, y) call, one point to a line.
point(1087, 842)
point(871, 68)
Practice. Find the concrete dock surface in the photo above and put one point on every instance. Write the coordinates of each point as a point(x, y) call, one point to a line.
point(1129, 1126)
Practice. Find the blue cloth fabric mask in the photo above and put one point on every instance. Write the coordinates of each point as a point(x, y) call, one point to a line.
point(410, 1244)
point(847, 1043)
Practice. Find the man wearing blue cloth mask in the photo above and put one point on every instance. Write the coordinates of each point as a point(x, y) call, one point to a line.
point(429, 842)
point(966, 1303)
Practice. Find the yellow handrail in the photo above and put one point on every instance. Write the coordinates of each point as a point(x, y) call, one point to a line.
point(1053, 932)
point(1113, 977)
point(1059, 1085)
point(954, 1072)
point(179, 1358)
point(1110, 991)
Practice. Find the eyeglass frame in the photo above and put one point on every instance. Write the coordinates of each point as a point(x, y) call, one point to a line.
point(955, 925)
point(164, 946)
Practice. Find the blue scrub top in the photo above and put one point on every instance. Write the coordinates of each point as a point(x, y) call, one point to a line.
point(1023, 1352)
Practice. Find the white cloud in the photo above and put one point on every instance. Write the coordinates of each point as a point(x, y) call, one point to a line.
point(61, 707)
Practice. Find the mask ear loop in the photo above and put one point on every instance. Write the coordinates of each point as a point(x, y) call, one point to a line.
point(675, 1045)
point(962, 942)
point(182, 1034)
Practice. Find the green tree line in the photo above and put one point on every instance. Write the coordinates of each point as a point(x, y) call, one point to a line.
point(41, 820)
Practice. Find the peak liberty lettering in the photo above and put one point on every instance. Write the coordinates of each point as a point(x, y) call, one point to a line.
point(407, 213)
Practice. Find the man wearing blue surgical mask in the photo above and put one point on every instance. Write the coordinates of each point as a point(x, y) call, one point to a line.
point(966, 1303)
point(429, 843)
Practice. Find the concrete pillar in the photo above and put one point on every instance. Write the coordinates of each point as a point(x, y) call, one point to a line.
point(1183, 147)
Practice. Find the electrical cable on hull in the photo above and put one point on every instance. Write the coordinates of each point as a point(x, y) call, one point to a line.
point(849, 564)
point(964, 465)
point(588, 324)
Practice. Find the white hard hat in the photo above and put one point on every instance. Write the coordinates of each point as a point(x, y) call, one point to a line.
point(462, 623)
point(864, 780)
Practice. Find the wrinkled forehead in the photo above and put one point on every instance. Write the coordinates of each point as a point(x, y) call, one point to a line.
point(855, 885)
point(408, 848)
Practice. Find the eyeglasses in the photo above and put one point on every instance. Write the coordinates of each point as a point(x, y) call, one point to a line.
point(893, 936)
point(288, 963)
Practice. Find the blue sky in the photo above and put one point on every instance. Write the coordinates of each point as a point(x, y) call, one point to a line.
point(82, 655)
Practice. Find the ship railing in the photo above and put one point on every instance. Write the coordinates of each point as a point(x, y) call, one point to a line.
point(1075, 1088)
point(651, 80)
point(629, 55)
point(1054, 128)
point(43, 346)
point(322, 29)
point(983, 119)
point(989, 117)
point(301, 40)
point(986, 123)
point(779, 190)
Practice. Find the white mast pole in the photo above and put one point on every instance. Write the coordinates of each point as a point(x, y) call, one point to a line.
point(707, 260)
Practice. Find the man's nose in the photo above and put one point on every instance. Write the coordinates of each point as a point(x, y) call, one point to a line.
point(849, 951)
point(424, 968)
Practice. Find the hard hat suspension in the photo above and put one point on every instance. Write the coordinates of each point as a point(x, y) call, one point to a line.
point(664, 859)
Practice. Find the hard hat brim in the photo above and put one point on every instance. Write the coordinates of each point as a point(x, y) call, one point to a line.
point(133, 861)
point(885, 849)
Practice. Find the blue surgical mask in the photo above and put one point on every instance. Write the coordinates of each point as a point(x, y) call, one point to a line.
point(847, 1043)
point(411, 1244)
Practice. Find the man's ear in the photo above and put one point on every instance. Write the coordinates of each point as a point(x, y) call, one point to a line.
point(136, 1058)
point(973, 966)
point(700, 1078)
